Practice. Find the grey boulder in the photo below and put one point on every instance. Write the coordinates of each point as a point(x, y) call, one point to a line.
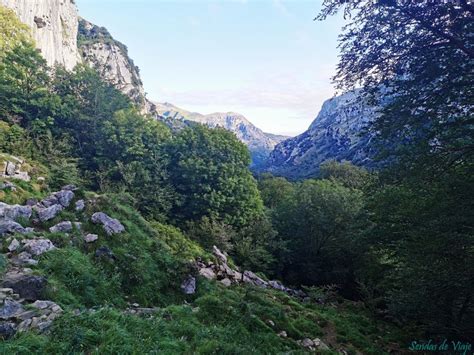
point(110, 225)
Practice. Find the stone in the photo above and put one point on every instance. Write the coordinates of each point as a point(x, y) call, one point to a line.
point(9, 226)
point(14, 211)
point(306, 343)
point(24, 258)
point(7, 330)
point(208, 273)
point(29, 287)
point(10, 168)
point(25, 325)
point(64, 197)
point(250, 277)
point(189, 285)
point(282, 334)
point(26, 315)
point(220, 255)
point(65, 226)
point(7, 291)
point(42, 326)
point(80, 205)
point(7, 185)
point(41, 179)
point(271, 323)
point(31, 202)
point(110, 225)
point(104, 251)
point(14, 245)
point(38, 246)
point(320, 345)
point(48, 213)
point(226, 282)
point(277, 285)
point(69, 188)
point(10, 309)
point(90, 238)
point(42, 304)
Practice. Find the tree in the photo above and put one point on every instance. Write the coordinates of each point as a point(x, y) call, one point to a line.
point(209, 170)
point(319, 223)
point(12, 31)
point(420, 59)
point(347, 174)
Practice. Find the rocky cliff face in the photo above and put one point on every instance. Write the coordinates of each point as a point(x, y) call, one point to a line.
point(336, 134)
point(110, 58)
point(260, 143)
point(54, 25)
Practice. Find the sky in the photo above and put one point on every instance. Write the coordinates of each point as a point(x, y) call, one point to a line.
point(266, 59)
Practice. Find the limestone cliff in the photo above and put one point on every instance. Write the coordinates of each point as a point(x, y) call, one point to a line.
point(110, 58)
point(335, 134)
point(54, 25)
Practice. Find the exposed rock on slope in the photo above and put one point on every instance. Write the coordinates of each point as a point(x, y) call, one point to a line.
point(110, 58)
point(260, 143)
point(54, 26)
point(334, 134)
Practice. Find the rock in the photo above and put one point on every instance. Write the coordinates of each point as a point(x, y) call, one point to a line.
point(90, 238)
point(26, 315)
point(226, 282)
point(10, 309)
point(24, 258)
point(64, 197)
point(42, 304)
point(42, 326)
point(208, 273)
point(306, 343)
point(282, 334)
point(189, 285)
point(80, 205)
point(9, 226)
point(41, 179)
point(271, 323)
point(14, 245)
point(29, 287)
point(31, 202)
point(63, 227)
point(38, 246)
point(7, 330)
point(45, 214)
point(10, 169)
point(220, 255)
point(277, 285)
point(104, 251)
point(110, 225)
point(318, 343)
point(250, 277)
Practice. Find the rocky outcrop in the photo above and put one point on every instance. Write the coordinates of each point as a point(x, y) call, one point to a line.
point(110, 58)
point(259, 143)
point(54, 25)
point(227, 276)
point(336, 134)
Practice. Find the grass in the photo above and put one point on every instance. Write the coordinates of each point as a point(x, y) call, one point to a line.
point(150, 262)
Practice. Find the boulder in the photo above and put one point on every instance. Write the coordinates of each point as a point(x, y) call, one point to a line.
point(24, 258)
point(90, 238)
point(226, 282)
point(45, 214)
point(9, 226)
point(14, 211)
point(7, 330)
point(10, 309)
point(251, 278)
point(14, 245)
point(208, 273)
point(306, 343)
point(38, 246)
point(320, 345)
point(65, 197)
point(110, 225)
point(80, 205)
point(219, 255)
point(189, 285)
point(7, 185)
point(63, 227)
point(29, 287)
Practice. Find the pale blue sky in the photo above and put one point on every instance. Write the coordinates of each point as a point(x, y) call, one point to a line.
point(266, 59)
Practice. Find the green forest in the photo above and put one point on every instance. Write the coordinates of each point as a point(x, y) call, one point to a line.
point(385, 257)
